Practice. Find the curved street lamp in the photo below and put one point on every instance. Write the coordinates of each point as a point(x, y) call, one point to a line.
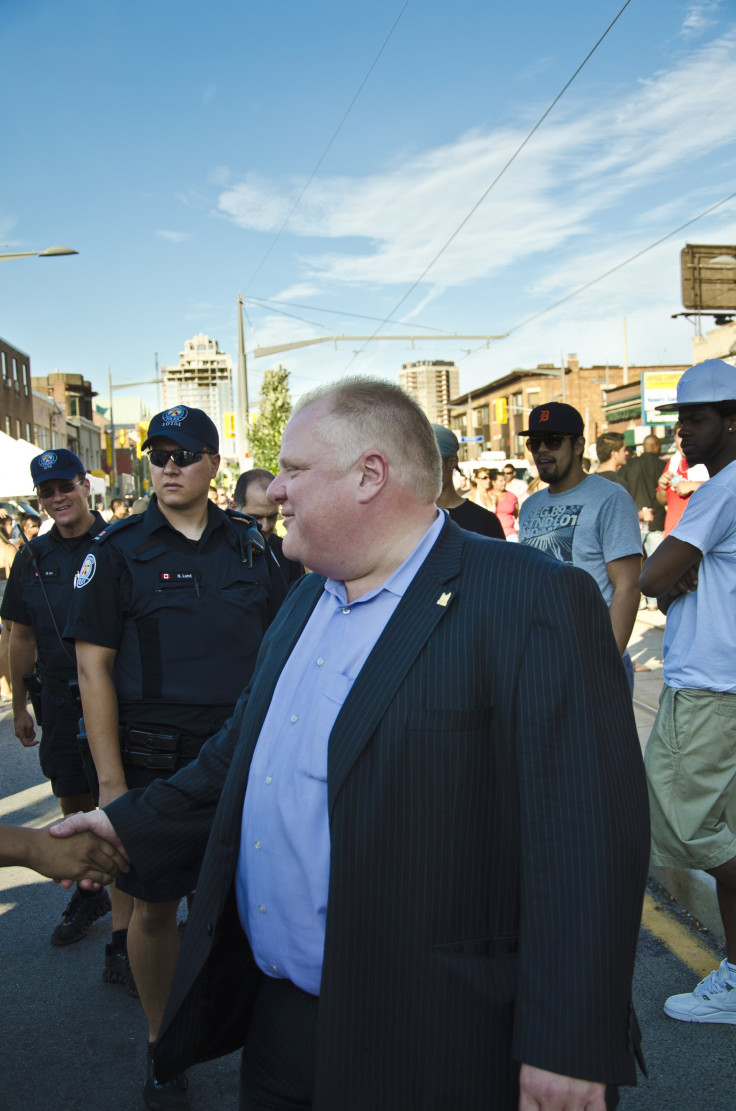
point(50, 252)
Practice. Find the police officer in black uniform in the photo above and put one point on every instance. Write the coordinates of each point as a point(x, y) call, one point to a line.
point(36, 602)
point(169, 610)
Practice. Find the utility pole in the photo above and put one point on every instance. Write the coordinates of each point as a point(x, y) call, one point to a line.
point(113, 468)
point(242, 409)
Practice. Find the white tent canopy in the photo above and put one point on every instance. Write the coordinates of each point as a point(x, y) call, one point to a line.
point(15, 469)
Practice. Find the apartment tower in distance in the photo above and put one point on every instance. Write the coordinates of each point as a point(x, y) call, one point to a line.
point(204, 380)
point(433, 384)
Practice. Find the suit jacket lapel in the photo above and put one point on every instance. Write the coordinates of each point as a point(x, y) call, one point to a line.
point(425, 603)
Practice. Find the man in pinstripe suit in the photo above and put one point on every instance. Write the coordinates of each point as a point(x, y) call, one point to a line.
point(439, 908)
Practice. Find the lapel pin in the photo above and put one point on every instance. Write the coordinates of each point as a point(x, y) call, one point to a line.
point(444, 599)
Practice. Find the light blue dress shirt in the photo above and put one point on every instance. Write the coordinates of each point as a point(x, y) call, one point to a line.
point(284, 863)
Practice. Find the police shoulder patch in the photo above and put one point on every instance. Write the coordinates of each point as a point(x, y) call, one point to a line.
point(86, 572)
point(115, 526)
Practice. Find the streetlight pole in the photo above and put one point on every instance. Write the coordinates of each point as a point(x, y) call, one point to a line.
point(242, 410)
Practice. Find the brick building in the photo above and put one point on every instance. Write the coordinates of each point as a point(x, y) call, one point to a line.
point(16, 403)
point(498, 411)
point(73, 394)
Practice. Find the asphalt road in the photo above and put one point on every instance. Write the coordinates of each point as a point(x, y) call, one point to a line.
point(73, 1043)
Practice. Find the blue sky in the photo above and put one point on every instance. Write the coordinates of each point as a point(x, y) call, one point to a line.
point(167, 142)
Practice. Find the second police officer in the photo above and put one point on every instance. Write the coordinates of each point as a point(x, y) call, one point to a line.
point(168, 613)
point(36, 604)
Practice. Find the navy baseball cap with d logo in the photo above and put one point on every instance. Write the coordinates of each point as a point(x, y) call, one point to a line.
point(190, 428)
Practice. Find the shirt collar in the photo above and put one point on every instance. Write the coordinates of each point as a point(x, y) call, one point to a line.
point(99, 523)
point(154, 519)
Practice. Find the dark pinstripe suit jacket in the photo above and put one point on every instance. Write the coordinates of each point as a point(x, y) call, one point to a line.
point(489, 830)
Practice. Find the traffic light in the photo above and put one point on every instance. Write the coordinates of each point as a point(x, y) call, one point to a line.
point(122, 437)
point(502, 410)
point(229, 420)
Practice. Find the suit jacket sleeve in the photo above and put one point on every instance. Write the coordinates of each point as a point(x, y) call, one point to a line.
point(584, 839)
point(168, 823)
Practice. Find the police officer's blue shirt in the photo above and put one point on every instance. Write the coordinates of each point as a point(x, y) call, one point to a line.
point(284, 864)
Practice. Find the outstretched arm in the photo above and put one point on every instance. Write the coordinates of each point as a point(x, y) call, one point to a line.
point(93, 822)
point(84, 858)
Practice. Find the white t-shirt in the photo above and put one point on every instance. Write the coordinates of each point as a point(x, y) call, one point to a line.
point(589, 526)
point(700, 635)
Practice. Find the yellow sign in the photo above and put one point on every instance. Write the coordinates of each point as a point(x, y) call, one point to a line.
point(502, 410)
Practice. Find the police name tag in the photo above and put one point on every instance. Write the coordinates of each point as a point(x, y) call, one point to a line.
point(177, 576)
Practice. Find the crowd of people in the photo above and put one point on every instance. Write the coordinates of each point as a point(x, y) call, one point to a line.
point(384, 783)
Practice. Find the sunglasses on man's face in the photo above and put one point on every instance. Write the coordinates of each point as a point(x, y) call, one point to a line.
point(45, 492)
point(551, 440)
point(181, 458)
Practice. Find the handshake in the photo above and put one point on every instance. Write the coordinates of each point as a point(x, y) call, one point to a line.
point(83, 848)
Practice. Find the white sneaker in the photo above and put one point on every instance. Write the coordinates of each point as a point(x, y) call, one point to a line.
point(713, 1000)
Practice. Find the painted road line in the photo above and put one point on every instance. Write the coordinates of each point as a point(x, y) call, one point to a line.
point(644, 706)
point(698, 957)
point(15, 804)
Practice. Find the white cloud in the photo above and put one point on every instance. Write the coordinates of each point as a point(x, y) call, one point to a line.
point(173, 236)
point(700, 15)
point(576, 179)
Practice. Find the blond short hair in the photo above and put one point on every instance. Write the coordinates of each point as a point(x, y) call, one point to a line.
point(367, 413)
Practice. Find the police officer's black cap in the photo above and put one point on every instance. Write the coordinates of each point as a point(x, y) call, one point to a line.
point(555, 416)
point(190, 428)
point(59, 463)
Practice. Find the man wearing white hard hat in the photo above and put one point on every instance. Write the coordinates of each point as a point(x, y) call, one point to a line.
point(691, 754)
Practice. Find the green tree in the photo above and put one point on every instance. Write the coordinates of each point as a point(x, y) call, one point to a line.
point(268, 426)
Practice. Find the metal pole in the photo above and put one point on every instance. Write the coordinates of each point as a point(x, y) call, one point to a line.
point(626, 356)
point(471, 449)
point(562, 371)
point(157, 376)
point(113, 468)
point(242, 391)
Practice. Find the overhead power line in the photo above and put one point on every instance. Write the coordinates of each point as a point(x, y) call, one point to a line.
point(620, 265)
point(504, 168)
point(338, 312)
point(325, 152)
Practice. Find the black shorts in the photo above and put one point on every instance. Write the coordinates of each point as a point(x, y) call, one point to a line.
point(171, 886)
point(58, 753)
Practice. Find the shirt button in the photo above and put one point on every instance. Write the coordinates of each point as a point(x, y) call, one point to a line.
point(346, 609)
point(320, 661)
point(269, 779)
point(258, 844)
point(293, 718)
point(262, 908)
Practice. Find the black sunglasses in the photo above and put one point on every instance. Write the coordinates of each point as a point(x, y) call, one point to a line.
point(45, 492)
point(552, 440)
point(181, 458)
